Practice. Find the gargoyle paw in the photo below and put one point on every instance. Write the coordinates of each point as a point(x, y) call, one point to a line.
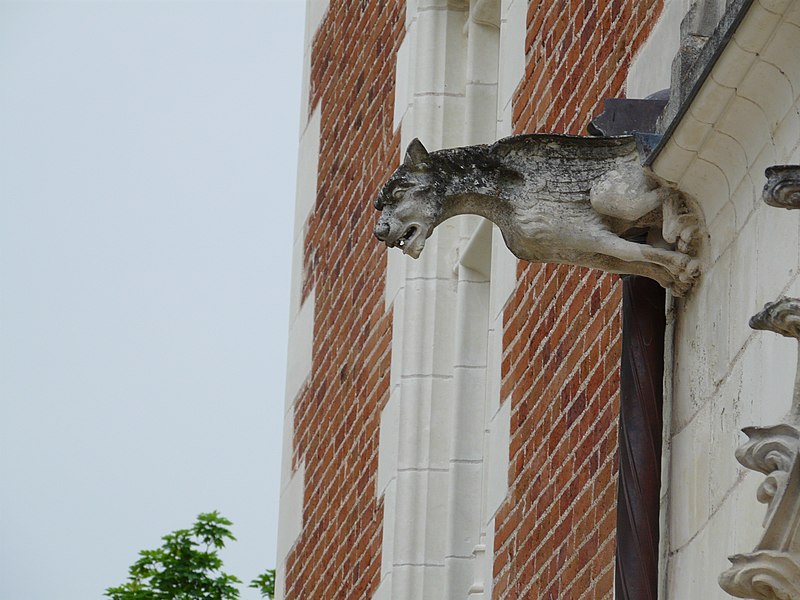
point(680, 289)
point(687, 241)
point(690, 271)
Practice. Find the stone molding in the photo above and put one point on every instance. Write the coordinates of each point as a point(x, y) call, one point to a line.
point(772, 570)
point(762, 575)
point(783, 186)
point(781, 316)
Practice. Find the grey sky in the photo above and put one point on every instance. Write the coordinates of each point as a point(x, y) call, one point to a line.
point(147, 174)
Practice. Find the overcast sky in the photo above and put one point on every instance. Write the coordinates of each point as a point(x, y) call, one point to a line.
point(147, 175)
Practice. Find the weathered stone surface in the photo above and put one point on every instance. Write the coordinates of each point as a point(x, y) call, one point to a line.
point(560, 199)
point(783, 186)
point(781, 316)
point(763, 575)
point(772, 570)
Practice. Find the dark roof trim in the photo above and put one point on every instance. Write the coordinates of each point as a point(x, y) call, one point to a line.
point(701, 69)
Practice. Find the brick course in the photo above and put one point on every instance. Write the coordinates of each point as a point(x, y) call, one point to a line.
point(337, 415)
point(554, 535)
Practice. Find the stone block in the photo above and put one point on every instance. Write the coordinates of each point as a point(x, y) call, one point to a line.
point(287, 447)
point(785, 140)
point(746, 199)
point(716, 312)
point(307, 168)
point(756, 30)
point(777, 251)
point(726, 153)
point(390, 526)
point(672, 163)
point(428, 312)
point(425, 423)
point(768, 88)
point(469, 390)
point(711, 101)
point(782, 52)
point(473, 301)
point(512, 49)
point(494, 366)
point(775, 6)
point(721, 232)
point(298, 360)
point(504, 274)
point(388, 443)
point(706, 183)
point(497, 458)
point(691, 134)
point(690, 476)
point(291, 513)
point(776, 363)
point(743, 296)
point(404, 75)
point(421, 517)
point(727, 410)
point(464, 510)
point(792, 14)
point(732, 65)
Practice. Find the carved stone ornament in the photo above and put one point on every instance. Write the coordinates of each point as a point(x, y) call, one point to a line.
point(783, 317)
point(783, 186)
point(772, 570)
point(556, 198)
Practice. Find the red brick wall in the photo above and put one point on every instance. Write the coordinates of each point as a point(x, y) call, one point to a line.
point(554, 536)
point(337, 416)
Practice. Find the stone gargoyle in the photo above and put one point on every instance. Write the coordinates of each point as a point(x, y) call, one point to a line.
point(556, 198)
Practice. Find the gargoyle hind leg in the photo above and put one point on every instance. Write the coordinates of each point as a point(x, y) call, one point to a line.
point(651, 271)
point(681, 267)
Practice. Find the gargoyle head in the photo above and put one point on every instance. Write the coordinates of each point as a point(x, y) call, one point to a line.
point(410, 202)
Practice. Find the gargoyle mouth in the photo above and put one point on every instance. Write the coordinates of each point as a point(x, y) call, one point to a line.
point(412, 240)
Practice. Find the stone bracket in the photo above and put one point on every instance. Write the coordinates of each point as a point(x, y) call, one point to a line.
point(783, 186)
point(772, 570)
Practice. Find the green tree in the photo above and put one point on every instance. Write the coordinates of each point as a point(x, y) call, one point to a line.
point(187, 567)
point(265, 583)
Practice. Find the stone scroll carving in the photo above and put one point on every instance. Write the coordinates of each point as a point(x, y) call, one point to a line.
point(560, 199)
point(772, 570)
point(783, 186)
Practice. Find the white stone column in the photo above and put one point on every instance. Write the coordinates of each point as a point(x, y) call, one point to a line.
point(465, 553)
point(466, 479)
point(443, 417)
point(416, 423)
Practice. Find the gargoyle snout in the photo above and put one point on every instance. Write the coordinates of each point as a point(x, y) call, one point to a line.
point(382, 230)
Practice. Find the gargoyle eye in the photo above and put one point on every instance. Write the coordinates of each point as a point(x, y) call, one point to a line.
point(399, 192)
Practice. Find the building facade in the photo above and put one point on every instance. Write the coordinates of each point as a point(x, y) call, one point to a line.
point(451, 422)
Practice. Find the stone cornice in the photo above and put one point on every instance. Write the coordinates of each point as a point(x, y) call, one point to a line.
point(747, 82)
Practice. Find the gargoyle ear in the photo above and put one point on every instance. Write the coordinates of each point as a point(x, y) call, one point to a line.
point(416, 155)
